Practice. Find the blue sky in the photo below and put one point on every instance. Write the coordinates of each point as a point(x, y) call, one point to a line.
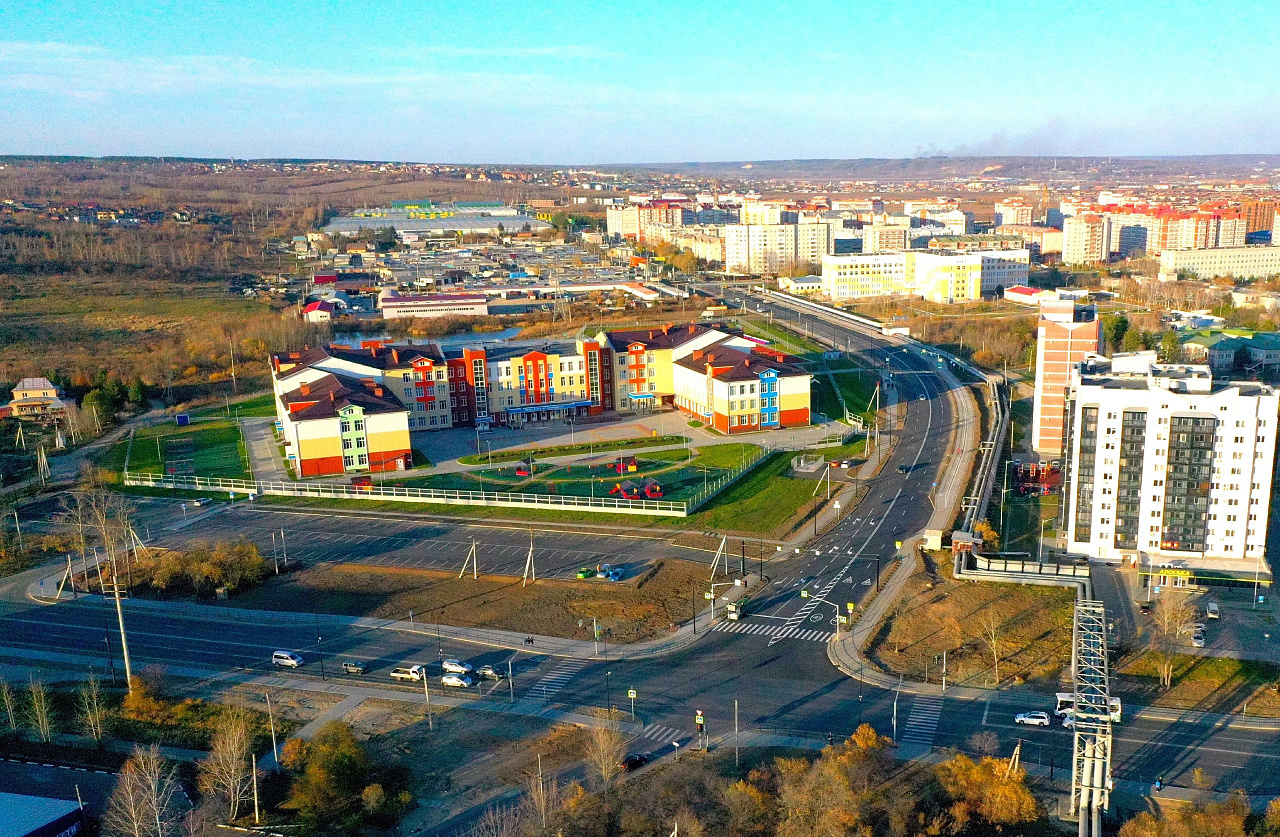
point(595, 82)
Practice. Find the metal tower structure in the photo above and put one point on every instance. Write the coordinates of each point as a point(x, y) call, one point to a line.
point(1091, 761)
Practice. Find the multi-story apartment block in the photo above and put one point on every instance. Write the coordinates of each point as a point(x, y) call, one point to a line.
point(879, 238)
point(737, 390)
point(1012, 211)
point(1041, 241)
point(936, 275)
point(773, 248)
point(1086, 239)
point(1067, 333)
point(1169, 469)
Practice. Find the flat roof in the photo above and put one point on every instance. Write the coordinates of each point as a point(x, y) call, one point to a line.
point(21, 814)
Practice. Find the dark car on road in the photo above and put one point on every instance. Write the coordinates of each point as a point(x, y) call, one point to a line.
point(633, 761)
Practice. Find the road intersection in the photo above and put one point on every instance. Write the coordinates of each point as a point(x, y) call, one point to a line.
point(773, 663)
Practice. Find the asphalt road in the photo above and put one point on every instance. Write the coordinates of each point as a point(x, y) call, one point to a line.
point(773, 663)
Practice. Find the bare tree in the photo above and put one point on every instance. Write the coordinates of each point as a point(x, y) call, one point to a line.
point(1172, 616)
point(985, 743)
point(40, 712)
point(226, 773)
point(605, 748)
point(91, 711)
point(76, 516)
point(498, 821)
point(543, 799)
point(145, 800)
point(991, 624)
point(10, 702)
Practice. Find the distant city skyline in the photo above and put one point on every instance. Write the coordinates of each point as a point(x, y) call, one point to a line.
point(561, 83)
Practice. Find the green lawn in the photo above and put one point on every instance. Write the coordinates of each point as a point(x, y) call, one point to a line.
point(259, 406)
point(1026, 517)
point(859, 390)
point(824, 399)
point(782, 338)
point(219, 448)
point(760, 502)
point(852, 450)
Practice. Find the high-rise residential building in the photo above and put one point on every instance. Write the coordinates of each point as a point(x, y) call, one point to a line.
point(1085, 239)
point(1169, 470)
point(774, 248)
point(1259, 215)
point(1012, 211)
point(1066, 334)
point(937, 275)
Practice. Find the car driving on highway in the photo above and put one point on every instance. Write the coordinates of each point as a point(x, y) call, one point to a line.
point(490, 673)
point(460, 681)
point(456, 667)
point(1032, 719)
point(288, 659)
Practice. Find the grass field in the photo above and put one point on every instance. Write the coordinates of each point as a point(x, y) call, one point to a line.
point(219, 448)
point(761, 502)
point(260, 406)
point(626, 612)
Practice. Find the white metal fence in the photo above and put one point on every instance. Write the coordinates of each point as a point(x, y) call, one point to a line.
point(452, 497)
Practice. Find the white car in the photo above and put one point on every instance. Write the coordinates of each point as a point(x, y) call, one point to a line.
point(1211, 611)
point(456, 667)
point(1032, 719)
point(1069, 720)
point(461, 681)
point(288, 659)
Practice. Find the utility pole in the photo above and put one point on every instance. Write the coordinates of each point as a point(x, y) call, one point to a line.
point(470, 560)
point(271, 719)
point(530, 571)
point(426, 694)
point(253, 765)
point(735, 732)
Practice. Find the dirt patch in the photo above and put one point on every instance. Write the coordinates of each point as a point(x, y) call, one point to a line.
point(626, 613)
point(287, 704)
point(935, 613)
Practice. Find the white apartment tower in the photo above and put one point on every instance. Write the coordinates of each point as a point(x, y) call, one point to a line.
point(1168, 469)
point(1086, 239)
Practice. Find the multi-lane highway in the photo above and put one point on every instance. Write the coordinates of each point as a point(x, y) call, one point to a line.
point(773, 663)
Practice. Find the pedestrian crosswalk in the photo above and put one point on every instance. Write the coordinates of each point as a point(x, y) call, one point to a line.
point(660, 734)
point(555, 680)
point(774, 632)
point(922, 723)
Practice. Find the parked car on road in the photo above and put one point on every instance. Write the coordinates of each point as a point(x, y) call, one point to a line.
point(1197, 639)
point(460, 681)
point(354, 667)
point(1032, 719)
point(1144, 608)
point(456, 667)
point(288, 659)
point(490, 673)
point(586, 572)
point(1211, 611)
point(415, 673)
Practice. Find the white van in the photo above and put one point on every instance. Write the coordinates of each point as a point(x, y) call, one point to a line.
point(286, 658)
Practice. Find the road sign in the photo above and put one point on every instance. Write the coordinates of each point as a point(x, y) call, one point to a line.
point(631, 693)
point(804, 594)
point(849, 606)
point(699, 720)
point(844, 620)
point(897, 544)
point(706, 595)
